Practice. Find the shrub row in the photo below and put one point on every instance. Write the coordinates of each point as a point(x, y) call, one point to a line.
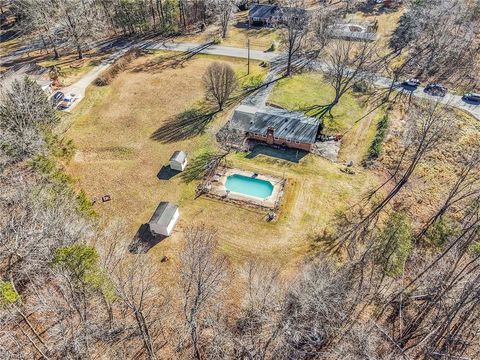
point(376, 146)
point(106, 77)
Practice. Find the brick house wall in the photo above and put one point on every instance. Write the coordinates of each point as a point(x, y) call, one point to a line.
point(272, 140)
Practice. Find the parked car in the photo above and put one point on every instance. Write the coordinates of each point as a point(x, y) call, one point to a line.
point(436, 90)
point(412, 82)
point(57, 98)
point(474, 97)
point(67, 102)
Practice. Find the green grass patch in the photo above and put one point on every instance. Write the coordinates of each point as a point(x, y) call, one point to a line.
point(8, 295)
point(302, 91)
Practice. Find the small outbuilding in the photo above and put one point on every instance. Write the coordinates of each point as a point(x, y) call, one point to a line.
point(178, 161)
point(164, 219)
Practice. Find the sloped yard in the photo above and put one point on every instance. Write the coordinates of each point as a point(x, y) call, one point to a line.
point(119, 154)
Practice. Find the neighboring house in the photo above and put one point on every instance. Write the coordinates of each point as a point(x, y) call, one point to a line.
point(355, 31)
point(271, 15)
point(178, 161)
point(275, 126)
point(164, 219)
point(264, 15)
point(35, 72)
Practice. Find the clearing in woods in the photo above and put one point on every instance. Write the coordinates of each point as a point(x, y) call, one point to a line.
point(119, 133)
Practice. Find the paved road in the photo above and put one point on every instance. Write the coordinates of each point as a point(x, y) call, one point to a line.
point(79, 87)
point(211, 50)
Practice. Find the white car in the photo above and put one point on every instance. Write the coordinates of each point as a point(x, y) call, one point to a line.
point(68, 100)
point(412, 82)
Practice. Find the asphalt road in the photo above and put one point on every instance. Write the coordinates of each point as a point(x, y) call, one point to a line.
point(190, 48)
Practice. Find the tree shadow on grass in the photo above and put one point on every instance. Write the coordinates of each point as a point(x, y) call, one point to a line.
point(200, 165)
point(170, 61)
point(188, 124)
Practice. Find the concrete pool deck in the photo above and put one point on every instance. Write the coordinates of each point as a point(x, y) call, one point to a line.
point(217, 188)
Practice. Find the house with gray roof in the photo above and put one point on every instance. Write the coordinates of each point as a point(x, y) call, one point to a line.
point(275, 126)
point(272, 15)
point(164, 219)
point(263, 15)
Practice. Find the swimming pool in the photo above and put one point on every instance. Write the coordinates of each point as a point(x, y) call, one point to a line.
point(250, 186)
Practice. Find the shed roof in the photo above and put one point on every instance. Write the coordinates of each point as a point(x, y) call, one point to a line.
point(291, 125)
point(263, 11)
point(164, 213)
point(179, 156)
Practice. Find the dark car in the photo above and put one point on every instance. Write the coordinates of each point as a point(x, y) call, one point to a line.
point(473, 97)
point(57, 98)
point(436, 90)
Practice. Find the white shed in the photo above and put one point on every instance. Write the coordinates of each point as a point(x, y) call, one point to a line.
point(178, 161)
point(164, 219)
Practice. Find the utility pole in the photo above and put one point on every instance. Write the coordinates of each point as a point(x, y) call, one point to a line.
point(248, 49)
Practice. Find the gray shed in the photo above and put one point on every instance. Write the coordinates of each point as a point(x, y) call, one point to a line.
point(164, 219)
point(178, 161)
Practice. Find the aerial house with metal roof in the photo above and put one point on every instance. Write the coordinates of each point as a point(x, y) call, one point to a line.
point(274, 126)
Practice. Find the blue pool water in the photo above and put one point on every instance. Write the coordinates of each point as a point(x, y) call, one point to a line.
point(249, 186)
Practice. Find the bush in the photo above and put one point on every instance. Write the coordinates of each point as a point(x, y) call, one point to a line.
point(117, 67)
point(376, 146)
point(394, 244)
point(217, 40)
point(8, 295)
point(360, 87)
point(274, 46)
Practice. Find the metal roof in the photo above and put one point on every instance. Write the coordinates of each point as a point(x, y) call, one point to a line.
point(290, 125)
point(164, 213)
point(263, 11)
point(179, 156)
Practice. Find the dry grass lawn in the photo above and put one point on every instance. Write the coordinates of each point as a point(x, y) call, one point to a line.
point(116, 155)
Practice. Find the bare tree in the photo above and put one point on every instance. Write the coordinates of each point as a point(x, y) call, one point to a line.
point(24, 113)
point(39, 18)
point(202, 279)
point(345, 64)
point(318, 309)
point(80, 23)
point(224, 10)
point(428, 125)
point(135, 284)
point(294, 20)
point(437, 41)
point(466, 186)
point(220, 82)
point(260, 324)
